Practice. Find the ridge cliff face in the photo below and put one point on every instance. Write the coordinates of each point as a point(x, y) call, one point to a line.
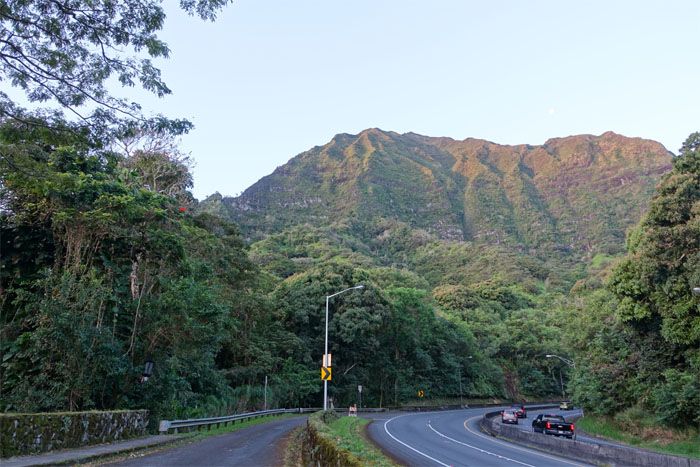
point(575, 195)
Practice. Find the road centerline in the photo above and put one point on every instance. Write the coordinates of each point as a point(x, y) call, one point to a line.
point(408, 446)
point(483, 451)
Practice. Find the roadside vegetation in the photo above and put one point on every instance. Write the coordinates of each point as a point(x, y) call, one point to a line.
point(636, 427)
point(347, 436)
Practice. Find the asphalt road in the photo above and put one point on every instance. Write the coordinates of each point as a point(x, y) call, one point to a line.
point(258, 445)
point(452, 439)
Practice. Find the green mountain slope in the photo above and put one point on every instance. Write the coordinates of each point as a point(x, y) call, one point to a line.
point(395, 195)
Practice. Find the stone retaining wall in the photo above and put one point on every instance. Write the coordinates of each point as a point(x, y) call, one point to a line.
point(34, 433)
point(583, 451)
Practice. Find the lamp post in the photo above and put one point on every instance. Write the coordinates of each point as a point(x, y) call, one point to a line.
point(565, 360)
point(568, 362)
point(459, 368)
point(325, 352)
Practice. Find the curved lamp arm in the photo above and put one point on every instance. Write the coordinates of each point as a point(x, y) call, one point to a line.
point(565, 360)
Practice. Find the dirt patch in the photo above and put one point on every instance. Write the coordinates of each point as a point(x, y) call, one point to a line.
point(291, 448)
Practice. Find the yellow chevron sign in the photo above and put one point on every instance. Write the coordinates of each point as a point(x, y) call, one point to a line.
point(326, 373)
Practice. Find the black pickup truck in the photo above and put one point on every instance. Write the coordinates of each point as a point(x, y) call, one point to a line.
point(552, 424)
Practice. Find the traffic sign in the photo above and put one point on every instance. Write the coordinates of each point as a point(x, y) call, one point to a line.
point(327, 360)
point(420, 393)
point(325, 373)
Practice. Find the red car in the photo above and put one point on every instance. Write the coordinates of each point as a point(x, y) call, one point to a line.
point(519, 410)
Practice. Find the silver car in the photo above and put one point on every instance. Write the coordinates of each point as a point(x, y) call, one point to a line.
point(509, 416)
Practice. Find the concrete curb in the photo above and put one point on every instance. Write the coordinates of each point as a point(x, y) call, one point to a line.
point(594, 453)
point(90, 453)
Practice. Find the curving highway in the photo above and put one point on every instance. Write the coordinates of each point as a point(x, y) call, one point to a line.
point(453, 438)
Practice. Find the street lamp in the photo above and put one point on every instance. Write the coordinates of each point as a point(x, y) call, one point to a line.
point(567, 361)
point(147, 369)
point(325, 353)
point(696, 290)
point(461, 402)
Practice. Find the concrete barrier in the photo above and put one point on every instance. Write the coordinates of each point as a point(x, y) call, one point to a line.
point(593, 453)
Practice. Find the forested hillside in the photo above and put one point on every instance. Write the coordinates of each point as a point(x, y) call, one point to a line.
point(455, 212)
point(493, 237)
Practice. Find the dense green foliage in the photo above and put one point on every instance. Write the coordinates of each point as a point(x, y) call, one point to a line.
point(100, 272)
point(638, 427)
point(105, 263)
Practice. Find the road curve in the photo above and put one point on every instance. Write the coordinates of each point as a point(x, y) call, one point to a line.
point(258, 445)
point(451, 438)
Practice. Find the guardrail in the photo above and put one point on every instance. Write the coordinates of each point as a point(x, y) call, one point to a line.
point(167, 425)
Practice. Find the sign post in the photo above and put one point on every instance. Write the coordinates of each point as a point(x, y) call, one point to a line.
point(359, 389)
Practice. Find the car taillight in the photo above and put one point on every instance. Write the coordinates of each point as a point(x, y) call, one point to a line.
point(549, 425)
point(572, 427)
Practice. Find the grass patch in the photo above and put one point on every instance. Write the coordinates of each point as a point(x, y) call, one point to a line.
point(348, 434)
point(634, 427)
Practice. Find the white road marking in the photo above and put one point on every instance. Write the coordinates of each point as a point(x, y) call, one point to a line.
point(410, 447)
point(478, 449)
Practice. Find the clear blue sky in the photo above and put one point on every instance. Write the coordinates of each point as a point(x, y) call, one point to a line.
point(271, 79)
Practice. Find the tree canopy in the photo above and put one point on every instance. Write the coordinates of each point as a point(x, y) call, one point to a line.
point(66, 52)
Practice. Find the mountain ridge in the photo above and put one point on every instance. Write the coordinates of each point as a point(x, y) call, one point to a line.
point(569, 199)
